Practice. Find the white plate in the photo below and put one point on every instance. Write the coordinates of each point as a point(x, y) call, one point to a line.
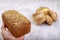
point(27, 8)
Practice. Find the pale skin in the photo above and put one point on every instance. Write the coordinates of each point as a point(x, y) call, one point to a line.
point(7, 35)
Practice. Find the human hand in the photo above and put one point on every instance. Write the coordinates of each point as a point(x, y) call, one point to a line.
point(7, 35)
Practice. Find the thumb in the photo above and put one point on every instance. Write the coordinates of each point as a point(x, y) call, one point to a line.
point(3, 30)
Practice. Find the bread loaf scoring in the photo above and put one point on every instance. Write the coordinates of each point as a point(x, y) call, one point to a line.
point(16, 23)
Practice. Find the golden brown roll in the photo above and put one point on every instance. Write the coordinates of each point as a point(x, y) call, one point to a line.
point(16, 23)
point(49, 20)
point(44, 14)
point(39, 18)
point(53, 15)
point(45, 10)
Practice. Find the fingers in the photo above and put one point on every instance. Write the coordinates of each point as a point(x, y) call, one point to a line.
point(3, 28)
point(9, 34)
point(20, 38)
point(6, 33)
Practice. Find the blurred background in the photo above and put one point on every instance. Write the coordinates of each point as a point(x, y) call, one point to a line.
point(27, 8)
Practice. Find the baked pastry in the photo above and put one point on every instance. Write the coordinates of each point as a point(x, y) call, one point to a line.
point(49, 20)
point(16, 23)
point(45, 10)
point(53, 15)
point(44, 15)
point(39, 18)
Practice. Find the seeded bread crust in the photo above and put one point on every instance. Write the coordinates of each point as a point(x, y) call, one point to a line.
point(16, 23)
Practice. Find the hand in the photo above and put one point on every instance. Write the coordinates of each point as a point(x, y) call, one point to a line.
point(7, 35)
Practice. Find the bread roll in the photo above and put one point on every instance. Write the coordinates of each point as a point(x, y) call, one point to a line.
point(44, 14)
point(49, 20)
point(45, 10)
point(53, 15)
point(16, 23)
point(39, 18)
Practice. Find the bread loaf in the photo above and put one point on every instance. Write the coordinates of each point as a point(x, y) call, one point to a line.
point(16, 23)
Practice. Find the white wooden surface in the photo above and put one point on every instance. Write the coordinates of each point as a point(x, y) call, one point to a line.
point(27, 8)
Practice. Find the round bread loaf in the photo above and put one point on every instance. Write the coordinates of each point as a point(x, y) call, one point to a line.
point(16, 23)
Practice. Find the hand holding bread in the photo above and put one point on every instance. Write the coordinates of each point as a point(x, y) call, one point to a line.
point(16, 23)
